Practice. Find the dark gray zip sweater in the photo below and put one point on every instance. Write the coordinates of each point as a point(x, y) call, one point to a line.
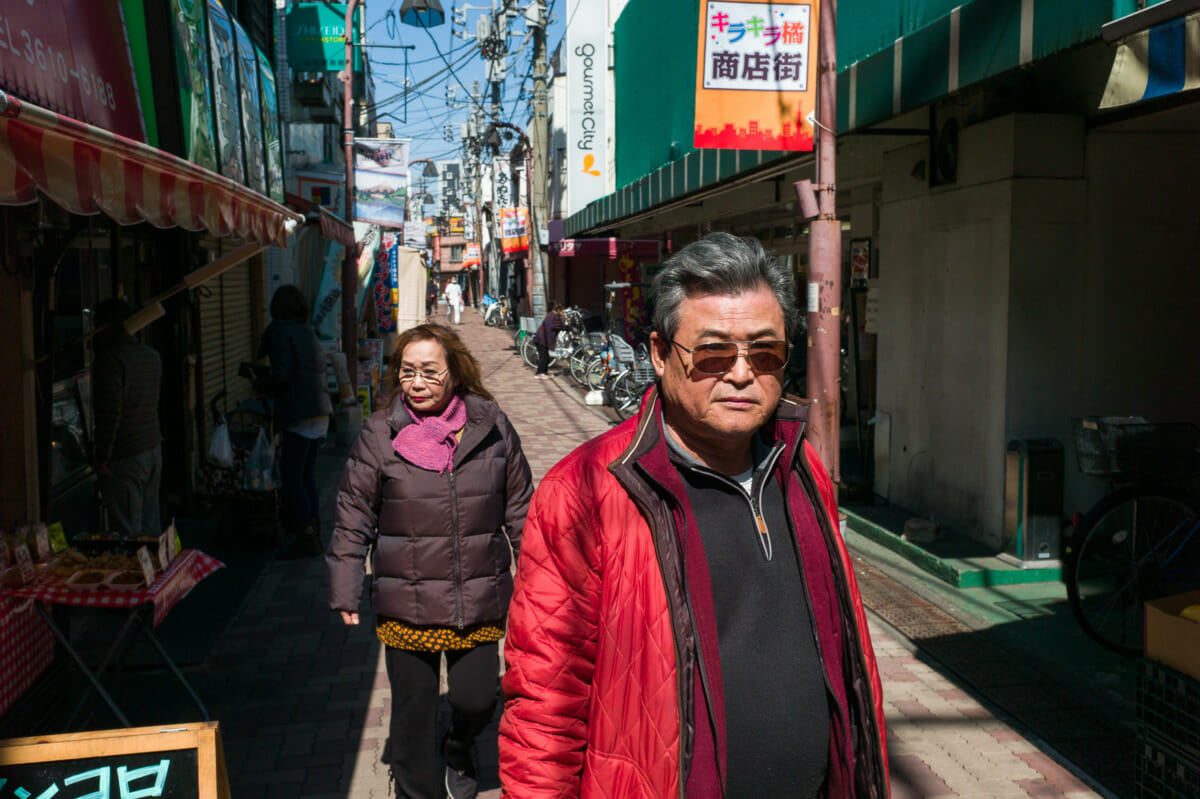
point(776, 705)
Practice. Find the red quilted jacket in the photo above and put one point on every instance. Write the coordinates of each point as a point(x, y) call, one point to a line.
point(603, 678)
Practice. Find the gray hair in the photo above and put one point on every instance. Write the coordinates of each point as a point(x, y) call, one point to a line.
point(720, 264)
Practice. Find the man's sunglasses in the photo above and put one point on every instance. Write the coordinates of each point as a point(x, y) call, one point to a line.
point(718, 357)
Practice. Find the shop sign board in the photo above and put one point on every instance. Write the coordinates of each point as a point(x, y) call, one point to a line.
point(191, 69)
point(181, 760)
point(514, 231)
point(587, 91)
point(250, 102)
point(450, 177)
point(457, 225)
point(223, 60)
point(272, 143)
point(471, 255)
point(756, 75)
point(83, 71)
point(381, 181)
point(316, 37)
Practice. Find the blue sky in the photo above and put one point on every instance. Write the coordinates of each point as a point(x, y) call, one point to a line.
point(441, 61)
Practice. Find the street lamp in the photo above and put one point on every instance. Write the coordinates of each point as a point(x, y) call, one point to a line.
point(422, 13)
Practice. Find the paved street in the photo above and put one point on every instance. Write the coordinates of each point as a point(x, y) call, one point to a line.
point(303, 700)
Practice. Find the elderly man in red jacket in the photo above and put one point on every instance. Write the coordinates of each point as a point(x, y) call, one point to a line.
point(686, 620)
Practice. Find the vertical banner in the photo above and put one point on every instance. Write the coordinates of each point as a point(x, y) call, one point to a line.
point(380, 181)
point(633, 302)
point(251, 107)
point(587, 90)
point(501, 184)
point(223, 61)
point(514, 231)
point(756, 75)
point(191, 61)
point(387, 282)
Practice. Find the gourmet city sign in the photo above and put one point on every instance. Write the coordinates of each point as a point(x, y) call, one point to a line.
point(587, 92)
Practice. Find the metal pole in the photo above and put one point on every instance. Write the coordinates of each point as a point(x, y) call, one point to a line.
point(825, 260)
point(350, 261)
point(535, 166)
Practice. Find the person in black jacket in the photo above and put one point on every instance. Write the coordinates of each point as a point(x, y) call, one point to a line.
point(128, 441)
point(545, 337)
point(297, 383)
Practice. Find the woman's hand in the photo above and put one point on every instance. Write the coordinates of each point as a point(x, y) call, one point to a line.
point(349, 618)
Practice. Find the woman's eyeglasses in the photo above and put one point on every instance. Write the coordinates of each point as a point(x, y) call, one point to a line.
point(718, 357)
point(428, 375)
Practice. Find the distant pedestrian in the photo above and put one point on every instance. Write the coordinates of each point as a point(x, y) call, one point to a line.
point(437, 486)
point(545, 337)
point(297, 382)
point(431, 295)
point(686, 620)
point(126, 377)
point(454, 299)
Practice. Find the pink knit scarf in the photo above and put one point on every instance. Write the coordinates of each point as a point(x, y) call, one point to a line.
point(429, 442)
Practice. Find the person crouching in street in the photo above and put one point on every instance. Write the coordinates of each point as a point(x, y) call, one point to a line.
point(544, 338)
point(686, 620)
point(438, 484)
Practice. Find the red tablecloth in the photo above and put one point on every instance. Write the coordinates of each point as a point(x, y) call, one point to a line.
point(190, 567)
point(27, 649)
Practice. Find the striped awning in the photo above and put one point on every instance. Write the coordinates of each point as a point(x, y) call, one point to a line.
point(88, 170)
point(1155, 61)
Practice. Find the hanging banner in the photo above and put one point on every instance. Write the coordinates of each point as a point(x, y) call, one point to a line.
point(514, 231)
point(191, 69)
point(272, 144)
point(223, 60)
point(251, 108)
point(501, 183)
point(316, 37)
point(380, 181)
point(414, 234)
point(72, 56)
point(756, 75)
point(471, 255)
point(586, 53)
point(387, 264)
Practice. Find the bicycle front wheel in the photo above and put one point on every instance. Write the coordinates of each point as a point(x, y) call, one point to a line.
point(1138, 544)
point(624, 394)
point(596, 373)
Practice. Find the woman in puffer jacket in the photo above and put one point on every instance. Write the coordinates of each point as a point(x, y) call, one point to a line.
point(438, 483)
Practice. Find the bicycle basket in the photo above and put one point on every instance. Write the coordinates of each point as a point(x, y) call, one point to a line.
point(596, 340)
point(1132, 448)
point(643, 372)
point(529, 324)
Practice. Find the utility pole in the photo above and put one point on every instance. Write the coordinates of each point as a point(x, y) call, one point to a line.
point(538, 136)
point(825, 260)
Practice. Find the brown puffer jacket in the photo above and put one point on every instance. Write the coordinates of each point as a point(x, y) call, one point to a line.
point(441, 557)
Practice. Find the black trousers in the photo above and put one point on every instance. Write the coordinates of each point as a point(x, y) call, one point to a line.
point(474, 678)
point(543, 363)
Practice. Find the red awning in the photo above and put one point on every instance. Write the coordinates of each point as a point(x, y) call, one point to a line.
point(607, 247)
point(88, 170)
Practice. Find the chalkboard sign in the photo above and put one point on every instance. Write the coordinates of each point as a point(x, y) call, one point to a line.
point(180, 762)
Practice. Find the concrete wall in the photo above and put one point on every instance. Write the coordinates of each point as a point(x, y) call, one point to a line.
point(943, 328)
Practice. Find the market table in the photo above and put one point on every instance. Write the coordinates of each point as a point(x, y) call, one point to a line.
point(151, 602)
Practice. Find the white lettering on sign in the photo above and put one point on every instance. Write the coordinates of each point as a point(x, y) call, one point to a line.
point(30, 48)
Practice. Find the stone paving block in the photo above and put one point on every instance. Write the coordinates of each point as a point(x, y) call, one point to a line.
point(1052, 772)
point(912, 777)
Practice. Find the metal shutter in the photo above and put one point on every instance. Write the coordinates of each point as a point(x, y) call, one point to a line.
point(227, 332)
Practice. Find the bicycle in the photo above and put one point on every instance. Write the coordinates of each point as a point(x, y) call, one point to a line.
point(1141, 541)
point(634, 375)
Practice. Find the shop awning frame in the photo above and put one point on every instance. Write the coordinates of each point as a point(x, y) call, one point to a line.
point(88, 170)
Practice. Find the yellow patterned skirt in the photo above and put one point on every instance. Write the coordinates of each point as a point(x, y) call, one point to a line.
point(414, 638)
